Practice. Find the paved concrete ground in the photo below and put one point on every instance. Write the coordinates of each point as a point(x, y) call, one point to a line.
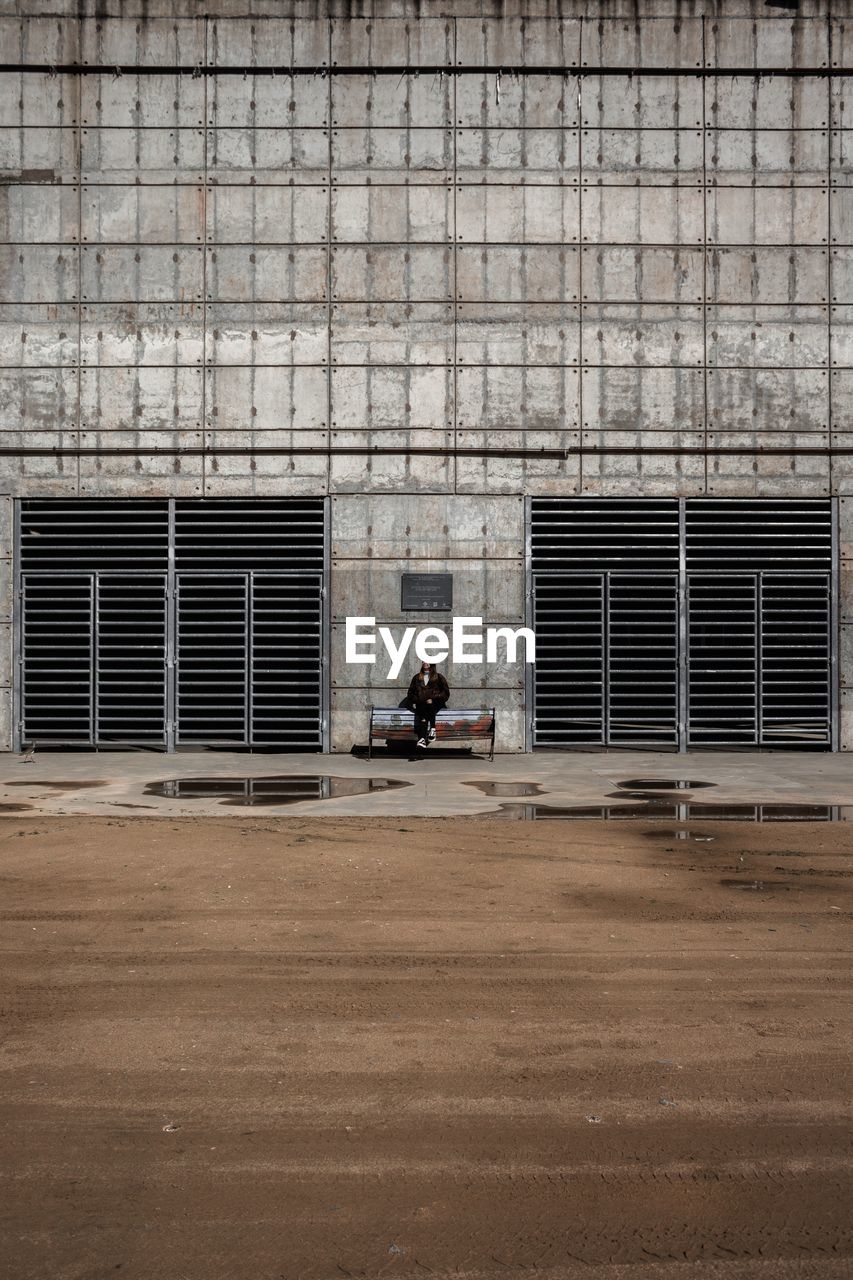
point(102, 783)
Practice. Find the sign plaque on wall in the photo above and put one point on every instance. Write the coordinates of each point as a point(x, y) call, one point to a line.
point(427, 591)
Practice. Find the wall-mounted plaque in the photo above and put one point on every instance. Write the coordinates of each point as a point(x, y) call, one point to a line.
point(427, 591)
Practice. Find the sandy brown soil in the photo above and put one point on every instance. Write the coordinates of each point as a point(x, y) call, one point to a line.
point(270, 1047)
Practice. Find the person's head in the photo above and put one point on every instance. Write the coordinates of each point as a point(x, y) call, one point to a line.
point(427, 668)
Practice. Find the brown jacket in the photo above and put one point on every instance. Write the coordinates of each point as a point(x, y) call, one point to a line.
point(437, 689)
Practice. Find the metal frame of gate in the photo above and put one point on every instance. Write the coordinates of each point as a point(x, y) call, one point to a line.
point(683, 736)
point(169, 580)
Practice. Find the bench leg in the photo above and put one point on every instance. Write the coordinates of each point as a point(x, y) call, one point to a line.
point(370, 745)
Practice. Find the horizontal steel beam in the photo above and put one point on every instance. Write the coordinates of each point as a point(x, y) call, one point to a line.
point(240, 451)
point(436, 69)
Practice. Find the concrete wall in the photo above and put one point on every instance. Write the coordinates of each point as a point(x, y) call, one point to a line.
point(470, 255)
point(479, 540)
point(477, 261)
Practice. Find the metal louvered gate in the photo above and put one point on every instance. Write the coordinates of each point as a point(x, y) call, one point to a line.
point(106, 676)
point(167, 623)
point(761, 597)
point(676, 623)
point(247, 658)
point(612, 638)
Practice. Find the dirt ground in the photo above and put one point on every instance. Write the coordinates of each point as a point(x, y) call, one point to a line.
point(261, 1047)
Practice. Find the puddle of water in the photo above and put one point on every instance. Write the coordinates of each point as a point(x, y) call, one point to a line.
point(507, 788)
point(654, 810)
point(14, 808)
point(273, 789)
point(651, 797)
point(662, 784)
point(58, 786)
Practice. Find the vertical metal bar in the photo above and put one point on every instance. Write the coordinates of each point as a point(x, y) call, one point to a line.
point(323, 661)
point(207, 357)
point(706, 294)
point(330, 293)
point(758, 651)
point(170, 734)
point(529, 621)
point(581, 286)
point(454, 249)
point(94, 633)
point(605, 659)
point(326, 630)
point(834, 631)
point(18, 653)
point(248, 658)
point(78, 307)
point(682, 640)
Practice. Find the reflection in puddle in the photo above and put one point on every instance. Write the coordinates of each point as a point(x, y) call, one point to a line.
point(772, 812)
point(648, 797)
point(291, 788)
point(662, 784)
point(655, 810)
point(507, 788)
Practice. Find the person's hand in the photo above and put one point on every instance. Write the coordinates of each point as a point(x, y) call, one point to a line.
point(429, 701)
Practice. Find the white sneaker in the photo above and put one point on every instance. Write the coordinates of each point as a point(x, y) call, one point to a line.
point(422, 742)
point(431, 734)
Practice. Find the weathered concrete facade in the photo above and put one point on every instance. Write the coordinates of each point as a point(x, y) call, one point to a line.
point(477, 538)
point(436, 236)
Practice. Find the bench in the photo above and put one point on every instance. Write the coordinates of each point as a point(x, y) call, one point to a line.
point(396, 724)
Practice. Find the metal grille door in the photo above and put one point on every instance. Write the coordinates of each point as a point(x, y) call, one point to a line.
point(167, 623)
point(605, 613)
point(285, 692)
point(94, 666)
point(703, 622)
point(759, 672)
point(642, 659)
point(796, 685)
point(248, 668)
point(606, 658)
point(759, 600)
point(723, 636)
point(57, 632)
point(212, 651)
point(130, 673)
point(569, 618)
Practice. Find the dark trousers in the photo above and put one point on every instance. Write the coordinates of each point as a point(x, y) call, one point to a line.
point(425, 713)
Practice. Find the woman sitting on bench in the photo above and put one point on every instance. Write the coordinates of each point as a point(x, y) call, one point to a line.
point(428, 693)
